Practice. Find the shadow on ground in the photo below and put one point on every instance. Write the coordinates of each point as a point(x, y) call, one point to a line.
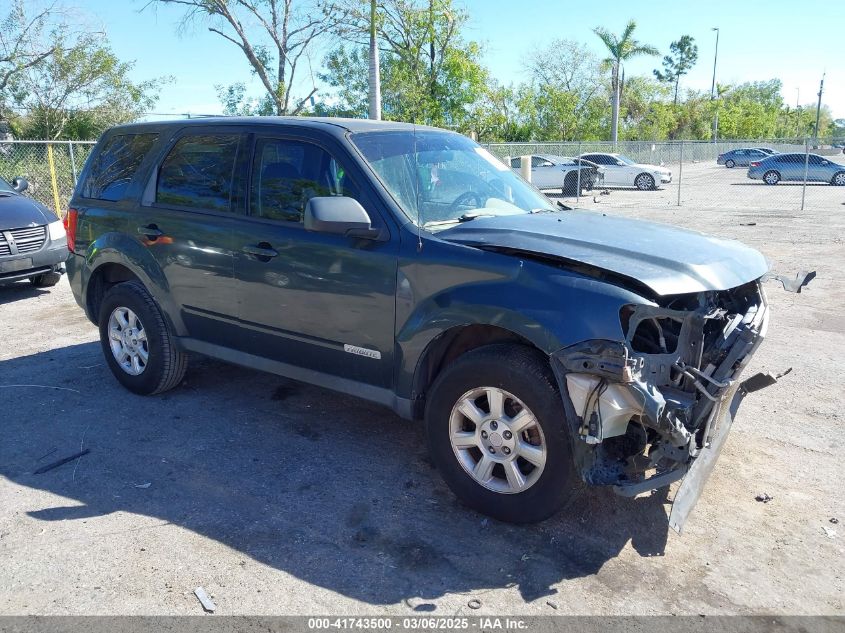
point(333, 490)
point(18, 291)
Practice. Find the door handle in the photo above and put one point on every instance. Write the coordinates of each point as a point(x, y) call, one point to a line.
point(151, 231)
point(262, 251)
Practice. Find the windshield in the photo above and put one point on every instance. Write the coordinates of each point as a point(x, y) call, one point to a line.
point(5, 186)
point(440, 178)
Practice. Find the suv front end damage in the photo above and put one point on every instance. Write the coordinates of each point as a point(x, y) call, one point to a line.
point(656, 407)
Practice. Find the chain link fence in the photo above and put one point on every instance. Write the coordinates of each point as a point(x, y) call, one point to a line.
point(50, 167)
point(700, 179)
point(697, 180)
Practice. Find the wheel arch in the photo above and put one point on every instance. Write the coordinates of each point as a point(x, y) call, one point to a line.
point(452, 344)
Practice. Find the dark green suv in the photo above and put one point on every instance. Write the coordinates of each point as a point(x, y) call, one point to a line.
point(408, 266)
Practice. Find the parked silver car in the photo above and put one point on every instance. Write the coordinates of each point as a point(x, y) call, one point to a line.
point(791, 168)
point(561, 172)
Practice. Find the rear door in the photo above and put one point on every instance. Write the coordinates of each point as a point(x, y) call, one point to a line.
point(314, 301)
point(544, 175)
point(190, 206)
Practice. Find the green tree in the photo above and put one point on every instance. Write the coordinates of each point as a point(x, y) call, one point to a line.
point(80, 89)
point(679, 63)
point(621, 48)
point(430, 74)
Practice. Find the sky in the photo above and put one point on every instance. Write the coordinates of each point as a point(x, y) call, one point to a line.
point(781, 39)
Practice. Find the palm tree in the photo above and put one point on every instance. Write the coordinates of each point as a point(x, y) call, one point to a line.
point(621, 49)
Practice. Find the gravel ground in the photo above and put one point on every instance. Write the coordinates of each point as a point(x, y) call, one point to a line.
point(281, 498)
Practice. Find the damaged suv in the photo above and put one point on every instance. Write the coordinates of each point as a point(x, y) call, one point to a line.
point(408, 266)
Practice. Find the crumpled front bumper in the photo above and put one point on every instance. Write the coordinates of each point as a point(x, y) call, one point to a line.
point(682, 432)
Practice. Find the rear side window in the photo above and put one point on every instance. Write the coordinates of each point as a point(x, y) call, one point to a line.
point(198, 172)
point(115, 165)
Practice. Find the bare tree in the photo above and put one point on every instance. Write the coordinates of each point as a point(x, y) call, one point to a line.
point(291, 27)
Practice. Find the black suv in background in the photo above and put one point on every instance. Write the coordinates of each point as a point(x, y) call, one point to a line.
point(408, 266)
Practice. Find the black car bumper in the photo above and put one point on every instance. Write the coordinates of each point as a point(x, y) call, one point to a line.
point(50, 258)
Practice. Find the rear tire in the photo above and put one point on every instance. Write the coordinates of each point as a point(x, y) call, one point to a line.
point(513, 488)
point(570, 184)
point(45, 280)
point(645, 182)
point(771, 177)
point(162, 365)
point(838, 179)
point(730, 164)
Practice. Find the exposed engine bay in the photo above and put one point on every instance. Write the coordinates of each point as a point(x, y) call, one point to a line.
point(647, 406)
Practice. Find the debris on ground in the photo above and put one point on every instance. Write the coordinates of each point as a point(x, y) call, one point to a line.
point(829, 532)
point(205, 599)
point(61, 462)
point(748, 224)
point(834, 520)
point(551, 604)
point(475, 603)
point(764, 497)
point(144, 486)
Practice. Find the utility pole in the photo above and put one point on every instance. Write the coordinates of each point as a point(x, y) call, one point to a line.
point(818, 112)
point(713, 87)
point(798, 113)
point(375, 71)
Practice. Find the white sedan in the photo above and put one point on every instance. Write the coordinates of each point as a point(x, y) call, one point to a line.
point(620, 171)
point(560, 172)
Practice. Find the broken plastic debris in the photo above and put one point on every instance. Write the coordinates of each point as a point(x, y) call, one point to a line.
point(829, 532)
point(205, 599)
point(764, 497)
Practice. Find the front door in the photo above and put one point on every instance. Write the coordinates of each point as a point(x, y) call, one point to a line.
point(315, 301)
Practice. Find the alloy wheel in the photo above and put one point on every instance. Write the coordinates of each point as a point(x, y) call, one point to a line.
point(128, 341)
point(497, 440)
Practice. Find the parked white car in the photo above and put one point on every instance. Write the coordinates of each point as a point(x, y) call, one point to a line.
point(560, 172)
point(620, 171)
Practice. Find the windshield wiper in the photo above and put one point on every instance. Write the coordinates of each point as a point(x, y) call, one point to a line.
point(466, 217)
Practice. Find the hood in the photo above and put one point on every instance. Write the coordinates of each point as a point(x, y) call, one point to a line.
point(666, 259)
point(657, 168)
point(17, 212)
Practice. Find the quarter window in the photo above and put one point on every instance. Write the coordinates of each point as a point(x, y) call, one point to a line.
point(115, 165)
point(198, 172)
point(288, 173)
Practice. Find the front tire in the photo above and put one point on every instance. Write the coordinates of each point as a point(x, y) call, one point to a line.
point(771, 177)
point(645, 182)
point(570, 184)
point(730, 164)
point(838, 179)
point(136, 341)
point(497, 433)
point(45, 280)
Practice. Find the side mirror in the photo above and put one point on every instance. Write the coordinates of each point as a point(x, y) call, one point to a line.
point(20, 184)
point(338, 215)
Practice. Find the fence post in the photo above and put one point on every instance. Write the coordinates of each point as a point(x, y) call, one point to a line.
point(72, 161)
point(52, 165)
point(806, 171)
point(578, 166)
point(680, 173)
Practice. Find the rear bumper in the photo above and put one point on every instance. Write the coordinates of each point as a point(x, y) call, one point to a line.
point(48, 259)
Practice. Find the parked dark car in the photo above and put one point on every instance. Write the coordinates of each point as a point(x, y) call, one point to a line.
point(741, 157)
point(793, 167)
point(408, 266)
point(32, 238)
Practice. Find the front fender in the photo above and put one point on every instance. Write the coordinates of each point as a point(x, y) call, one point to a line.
point(550, 307)
point(118, 248)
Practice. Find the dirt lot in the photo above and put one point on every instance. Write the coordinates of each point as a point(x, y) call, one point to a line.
point(280, 498)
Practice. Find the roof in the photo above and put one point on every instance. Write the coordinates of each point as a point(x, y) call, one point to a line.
point(333, 123)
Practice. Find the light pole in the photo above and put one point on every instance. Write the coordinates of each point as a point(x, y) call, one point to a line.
point(819, 111)
point(713, 86)
point(798, 113)
point(375, 71)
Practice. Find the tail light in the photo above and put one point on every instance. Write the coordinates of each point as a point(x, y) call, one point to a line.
point(755, 163)
point(70, 229)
